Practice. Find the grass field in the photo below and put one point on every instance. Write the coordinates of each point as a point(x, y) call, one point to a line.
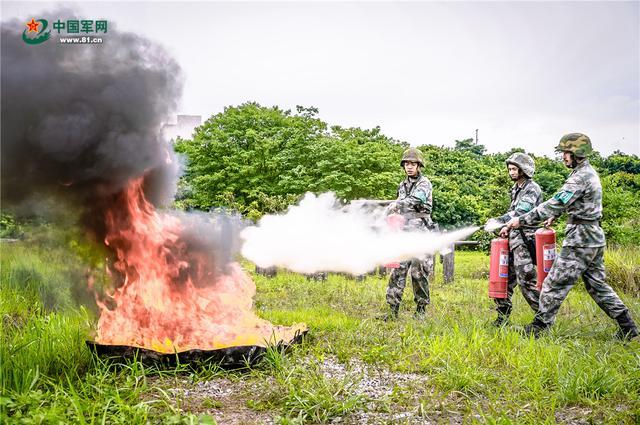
point(452, 367)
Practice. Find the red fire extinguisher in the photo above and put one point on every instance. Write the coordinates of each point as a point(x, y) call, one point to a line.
point(499, 268)
point(395, 223)
point(545, 253)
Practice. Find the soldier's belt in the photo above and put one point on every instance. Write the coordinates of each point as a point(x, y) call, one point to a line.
point(576, 220)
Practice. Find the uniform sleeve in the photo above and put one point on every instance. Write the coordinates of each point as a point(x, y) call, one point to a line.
point(526, 203)
point(572, 190)
point(420, 198)
point(506, 217)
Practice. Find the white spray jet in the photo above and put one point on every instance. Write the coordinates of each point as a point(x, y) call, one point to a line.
point(319, 234)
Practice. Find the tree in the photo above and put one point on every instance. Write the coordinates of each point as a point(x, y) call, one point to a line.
point(468, 145)
point(259, 159)
point(619, 161)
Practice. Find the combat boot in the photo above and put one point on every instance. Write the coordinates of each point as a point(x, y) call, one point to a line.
point(535, 328)
point(503, 317)
point(420, 312)
point(627, 330)
point(391, 315)
point(500, 321)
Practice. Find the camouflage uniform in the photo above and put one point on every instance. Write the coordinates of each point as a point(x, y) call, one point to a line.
point(524, 198)
point(583, 247)
point(414, 202)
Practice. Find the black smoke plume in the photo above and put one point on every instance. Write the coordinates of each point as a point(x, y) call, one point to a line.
point(80, 121)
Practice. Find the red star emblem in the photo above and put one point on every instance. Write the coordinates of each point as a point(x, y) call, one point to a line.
point(33, 25)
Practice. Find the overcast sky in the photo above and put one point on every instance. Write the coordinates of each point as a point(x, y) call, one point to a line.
point(425, 72)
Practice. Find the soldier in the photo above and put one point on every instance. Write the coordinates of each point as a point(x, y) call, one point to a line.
point(583, 247)
point(525, 196)
point(414, 202)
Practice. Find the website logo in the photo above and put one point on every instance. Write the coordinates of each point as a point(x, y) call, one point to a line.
point(70, 31)
point(36, 31)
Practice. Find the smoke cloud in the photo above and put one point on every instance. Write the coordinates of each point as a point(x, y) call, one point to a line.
point(80, 121)
point(320, 235)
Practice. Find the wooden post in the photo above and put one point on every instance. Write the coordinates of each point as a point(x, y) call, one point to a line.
point(448, 260)
point(448, 264)
point(432, 272)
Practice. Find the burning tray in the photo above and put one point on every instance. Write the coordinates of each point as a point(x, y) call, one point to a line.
point(229, 357)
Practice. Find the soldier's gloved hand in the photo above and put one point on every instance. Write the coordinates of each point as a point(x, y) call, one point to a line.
point(393, 208)
point(504, 232)
point(548, 222)
point(492, 225)
point(514, 223)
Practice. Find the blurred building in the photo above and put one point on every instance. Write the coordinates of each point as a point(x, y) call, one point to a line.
point(183, 128)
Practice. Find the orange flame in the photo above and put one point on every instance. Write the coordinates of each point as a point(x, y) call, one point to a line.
point(171, 299)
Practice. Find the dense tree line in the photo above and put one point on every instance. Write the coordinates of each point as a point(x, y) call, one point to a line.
point(259, 160)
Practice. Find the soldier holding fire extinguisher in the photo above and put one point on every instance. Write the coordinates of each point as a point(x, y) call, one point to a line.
point(525, 196)
point(414, 204)
point(582, 251)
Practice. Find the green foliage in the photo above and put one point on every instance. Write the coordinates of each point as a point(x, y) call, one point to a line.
point(458, 177)
point(307, 396)
point(468, 145)
point(623, 269)
point(550, 174)
point(621, 200)
point(259, 160)
point(619, 161)
point(9, 228)
point(41, 333)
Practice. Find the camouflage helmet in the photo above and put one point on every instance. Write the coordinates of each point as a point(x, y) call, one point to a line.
point(524, 162)
point(577, 143)
point(413, 155)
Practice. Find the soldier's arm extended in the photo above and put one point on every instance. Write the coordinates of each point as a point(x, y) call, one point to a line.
point(420, 198)
point(572, 189)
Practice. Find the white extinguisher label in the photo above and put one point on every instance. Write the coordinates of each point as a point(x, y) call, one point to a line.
point(503, 270)
point(549, 254)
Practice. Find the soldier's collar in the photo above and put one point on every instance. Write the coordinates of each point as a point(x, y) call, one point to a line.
point(524, 183)
point(581, 164)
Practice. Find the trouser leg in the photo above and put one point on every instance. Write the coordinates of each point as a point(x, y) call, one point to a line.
point(420, 276)
point(564, 273)
point(397, 282)
point(594, 280)
point(526, 276)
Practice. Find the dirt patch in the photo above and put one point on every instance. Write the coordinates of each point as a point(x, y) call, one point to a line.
point(221, 398)
point(391, 397)
point(573, 416)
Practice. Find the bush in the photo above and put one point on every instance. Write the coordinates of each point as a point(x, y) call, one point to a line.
point(9, 227)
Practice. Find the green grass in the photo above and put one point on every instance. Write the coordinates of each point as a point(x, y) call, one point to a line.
point(623, 268)
point(468, 370)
